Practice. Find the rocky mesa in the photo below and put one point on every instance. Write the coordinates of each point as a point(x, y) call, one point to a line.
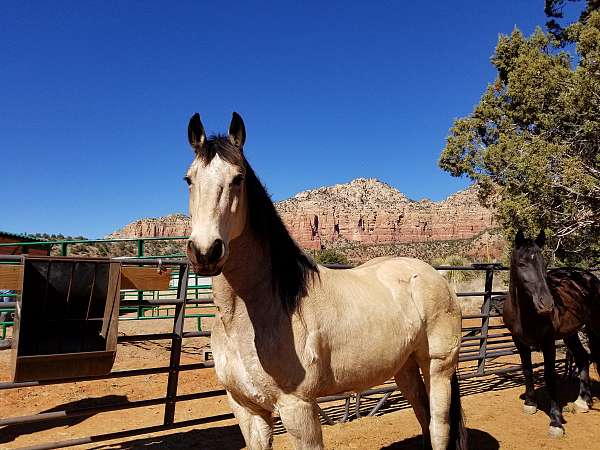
point(363, 211)
point(372, 212)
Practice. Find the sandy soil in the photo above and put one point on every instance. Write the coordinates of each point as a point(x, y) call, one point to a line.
point(491, 405)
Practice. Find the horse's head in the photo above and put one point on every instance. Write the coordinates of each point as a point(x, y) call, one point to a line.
point(217, 197)
point(528, 271)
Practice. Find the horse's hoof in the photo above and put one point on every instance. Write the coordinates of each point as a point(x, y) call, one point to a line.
point(529, 409)
point(581, 406)
point(556, 432)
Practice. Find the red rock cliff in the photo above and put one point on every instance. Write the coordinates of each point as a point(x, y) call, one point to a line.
point(372, 212)
point(364, 210)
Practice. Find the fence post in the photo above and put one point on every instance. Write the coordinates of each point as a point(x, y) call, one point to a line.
point(63, 249)
point(485, 320)
point(178, 323)
point(140, 253)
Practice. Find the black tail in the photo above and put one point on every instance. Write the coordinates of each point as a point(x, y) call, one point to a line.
point(592, 322)
point(458, 433)
point(594, 344)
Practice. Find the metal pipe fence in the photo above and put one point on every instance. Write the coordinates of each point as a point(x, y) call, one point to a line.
point(479, 347)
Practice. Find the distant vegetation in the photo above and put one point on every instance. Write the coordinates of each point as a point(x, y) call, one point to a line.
point(57, 237)
point(435, 252)
point(329, 256)
point(455, 276)
point(112, 249)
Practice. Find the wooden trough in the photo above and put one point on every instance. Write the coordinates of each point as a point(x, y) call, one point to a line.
point(67, 313)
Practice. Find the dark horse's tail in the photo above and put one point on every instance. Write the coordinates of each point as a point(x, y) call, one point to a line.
point(458, 433)
point(592, 326)
point(594, 345)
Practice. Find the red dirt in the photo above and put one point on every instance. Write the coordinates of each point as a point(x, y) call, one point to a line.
point(491, 405)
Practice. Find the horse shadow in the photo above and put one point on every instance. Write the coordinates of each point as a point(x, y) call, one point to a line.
point(229, 437)
point(10, 432)
point(478, 439)
point(214, 438)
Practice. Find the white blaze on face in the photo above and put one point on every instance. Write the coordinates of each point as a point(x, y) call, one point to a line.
point(217, 207)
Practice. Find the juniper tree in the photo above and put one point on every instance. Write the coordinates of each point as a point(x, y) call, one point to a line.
point(532, 143)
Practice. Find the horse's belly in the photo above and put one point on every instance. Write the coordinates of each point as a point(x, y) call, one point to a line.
point(371, 355)
point(361, 374)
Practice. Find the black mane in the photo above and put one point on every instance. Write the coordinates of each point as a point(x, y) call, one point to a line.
point(292, 269)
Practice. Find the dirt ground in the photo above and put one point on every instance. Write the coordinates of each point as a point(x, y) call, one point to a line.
point(492, 408)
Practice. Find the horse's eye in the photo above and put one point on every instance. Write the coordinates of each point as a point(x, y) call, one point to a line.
point(237, 180)
point(188, 180)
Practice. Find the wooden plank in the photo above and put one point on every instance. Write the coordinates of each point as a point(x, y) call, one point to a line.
point(145, 278)
point(11, 277)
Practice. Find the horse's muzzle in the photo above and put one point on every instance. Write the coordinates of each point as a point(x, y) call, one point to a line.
point(545, 312)
point(544, 308)
point(209, 263)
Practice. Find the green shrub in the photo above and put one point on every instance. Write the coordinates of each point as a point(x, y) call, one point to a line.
point(455, 276)
point(329, 256)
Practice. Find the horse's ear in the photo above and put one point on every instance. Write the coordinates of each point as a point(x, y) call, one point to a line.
point(519, 238)
point(237, 130)
point(541, 239)
point(196, 134)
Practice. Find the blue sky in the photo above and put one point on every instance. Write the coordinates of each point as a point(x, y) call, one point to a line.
point(95, 97)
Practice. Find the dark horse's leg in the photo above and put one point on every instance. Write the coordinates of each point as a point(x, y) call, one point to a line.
point(530, 406)
point(556, 418)
point(582, 360)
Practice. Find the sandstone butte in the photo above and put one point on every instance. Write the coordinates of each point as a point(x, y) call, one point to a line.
point(363, 211)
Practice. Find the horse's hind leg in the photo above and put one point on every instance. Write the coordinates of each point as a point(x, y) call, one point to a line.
point(413, 389)
point(301, 420)
point(584, 401)
point(440, 395)
point(257, 429)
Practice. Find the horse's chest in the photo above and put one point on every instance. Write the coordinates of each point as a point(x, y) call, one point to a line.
point(239, 370)
point(532, 330)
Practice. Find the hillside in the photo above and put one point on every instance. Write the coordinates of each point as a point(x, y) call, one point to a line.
point(372, 212)
point(368, 217)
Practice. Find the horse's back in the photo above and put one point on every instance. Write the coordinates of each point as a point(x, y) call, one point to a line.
point(577, 292)
point(572, 286)
point(585, 280)
point(400, 276)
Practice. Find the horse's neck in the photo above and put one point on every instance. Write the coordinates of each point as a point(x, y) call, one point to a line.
point(516, 301)
point(244, 292)
point(524, 318)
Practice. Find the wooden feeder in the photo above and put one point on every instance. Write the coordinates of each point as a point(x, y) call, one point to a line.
point(68, 312)
point(66, 319)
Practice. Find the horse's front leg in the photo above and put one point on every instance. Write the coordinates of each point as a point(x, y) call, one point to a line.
point(530, 405)
point(556, 418)
point(582, 360)
point(301, 420)
point(257, 428)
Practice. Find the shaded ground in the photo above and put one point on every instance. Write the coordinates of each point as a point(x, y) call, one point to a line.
point(492, 407)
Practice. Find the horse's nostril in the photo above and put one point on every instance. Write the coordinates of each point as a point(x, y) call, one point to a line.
point(216, 251)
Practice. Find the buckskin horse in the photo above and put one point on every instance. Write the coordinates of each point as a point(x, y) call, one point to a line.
point(289, 331)
point(543, 306)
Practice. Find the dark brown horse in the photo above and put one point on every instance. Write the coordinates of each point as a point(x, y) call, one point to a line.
point(543, 306)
